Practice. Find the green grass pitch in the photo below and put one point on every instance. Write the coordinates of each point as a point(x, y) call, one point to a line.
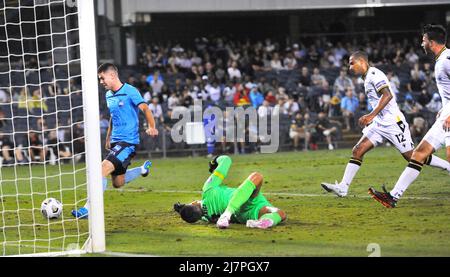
point(139, 219)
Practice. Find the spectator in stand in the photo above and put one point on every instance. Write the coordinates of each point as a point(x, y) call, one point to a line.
point(342, 83)
point(234, 72)
point(305, 78)
point(291, 107)
point(349, 106)
point(6, 148)
point(435, 104)
point(324, 127)
point(310, 127)
point(424, 98)
point(298, 131)
point(410, 107)
point(313, 55)
point(214, 93)
point(36, 149)
point(270, 98)
point(186, 99)
point(275, 62)
point(418, 129)
point(264, 110)
point(363, 106)
point(394, 82)
point(257, 64)
point(256, 97)
point(157, 111)
point(280, 106)
point(59, 149)
point(37, 104)
point(228, 94)
point(290, 62)
point(241, 98)
point(173, 101)
point(155, 80)
point(317, 79)
point(415, 84)
point(4, 97)
point(411, 57)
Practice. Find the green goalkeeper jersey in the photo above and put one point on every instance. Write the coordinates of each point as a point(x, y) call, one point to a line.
point(216, 195)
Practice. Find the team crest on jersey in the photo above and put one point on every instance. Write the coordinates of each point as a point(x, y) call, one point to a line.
point(121, 103)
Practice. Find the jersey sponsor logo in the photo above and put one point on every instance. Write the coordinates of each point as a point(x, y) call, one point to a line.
point(121, 103)
point(401, 125)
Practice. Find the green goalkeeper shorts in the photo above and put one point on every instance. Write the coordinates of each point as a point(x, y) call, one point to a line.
point(250, 209)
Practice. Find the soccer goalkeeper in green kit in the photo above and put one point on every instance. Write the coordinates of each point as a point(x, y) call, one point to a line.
point(221, 204)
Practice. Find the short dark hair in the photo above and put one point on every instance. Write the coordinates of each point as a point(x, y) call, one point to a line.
point(436, 33)
point(191, 213)
point(360, 55)
point(105, 67)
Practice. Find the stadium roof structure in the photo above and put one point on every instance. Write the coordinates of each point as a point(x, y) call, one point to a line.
point(170, 6)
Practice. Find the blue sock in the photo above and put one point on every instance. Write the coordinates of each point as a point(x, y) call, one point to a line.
point(105, 183)
point(132, 174)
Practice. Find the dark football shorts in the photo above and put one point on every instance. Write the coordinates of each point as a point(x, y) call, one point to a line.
point(120, 156)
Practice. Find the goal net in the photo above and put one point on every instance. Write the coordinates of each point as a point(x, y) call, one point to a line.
point(49, 132)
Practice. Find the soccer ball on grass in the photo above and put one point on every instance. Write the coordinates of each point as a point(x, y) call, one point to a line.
point(51, 208)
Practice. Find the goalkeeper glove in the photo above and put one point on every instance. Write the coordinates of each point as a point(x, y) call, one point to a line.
point(213, 164)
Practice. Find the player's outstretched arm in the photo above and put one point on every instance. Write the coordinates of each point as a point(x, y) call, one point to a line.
point(151, 131)
point(384, 100)
point(219, 173)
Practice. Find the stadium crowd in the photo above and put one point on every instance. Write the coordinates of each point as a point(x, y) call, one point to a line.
point(318, 101)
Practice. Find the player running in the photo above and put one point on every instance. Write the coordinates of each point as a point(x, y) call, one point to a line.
point(386, 121)
point(433, 41)
point(221, 204)
point(123, 101)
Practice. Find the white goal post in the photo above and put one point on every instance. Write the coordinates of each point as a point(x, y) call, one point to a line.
point(49, 128)
point(88, 57)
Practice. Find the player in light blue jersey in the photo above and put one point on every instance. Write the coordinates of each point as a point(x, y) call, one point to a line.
point(124, 102)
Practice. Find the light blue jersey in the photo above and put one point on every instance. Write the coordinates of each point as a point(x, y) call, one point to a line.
point(123, 107)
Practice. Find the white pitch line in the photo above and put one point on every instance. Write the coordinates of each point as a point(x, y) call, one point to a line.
point(278, 194)
point(121, 254)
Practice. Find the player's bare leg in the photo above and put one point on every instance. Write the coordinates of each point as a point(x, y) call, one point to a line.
point(359, 150)
point(117, 181)
point(409, 175)
point(431, 160)
point(249, 188)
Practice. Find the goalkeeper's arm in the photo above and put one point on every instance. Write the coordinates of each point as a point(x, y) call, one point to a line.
point(219, 168)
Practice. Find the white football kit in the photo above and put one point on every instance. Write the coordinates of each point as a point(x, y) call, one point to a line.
point(390, 122)
point(437, 136)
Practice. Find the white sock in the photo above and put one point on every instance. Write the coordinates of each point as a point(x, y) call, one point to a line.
point(350, 171)
point(408, 176)
point(439, 163)
point(226, 214)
